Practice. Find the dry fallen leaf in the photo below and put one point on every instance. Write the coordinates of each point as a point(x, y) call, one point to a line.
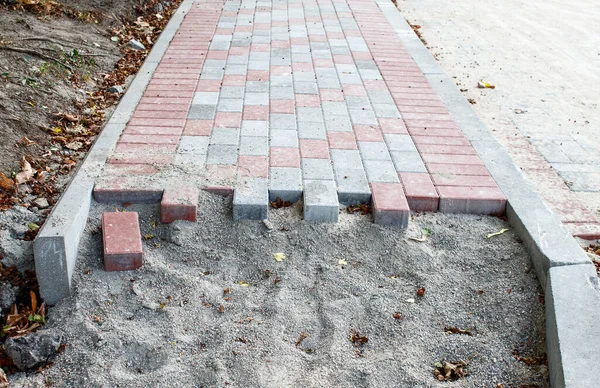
point(503, 230)
point(484, 85)
point(421, 291)
point(342, 262)
point(279, 256)
point(25, 174)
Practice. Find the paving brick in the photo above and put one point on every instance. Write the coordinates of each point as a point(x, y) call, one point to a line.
point(255, 128)
point(314, 169)
point(198, 128)
point(225, 136)
point(374, 151)
point(367, 133)
point(320, 201)
point(222, 154)
point(284, 157)
point(282, 121)
point(179, 203)
point(315, 130)
point(122, 241)
point(253, 166)
point(342, 140)
point(228, 120)
point(251, 199)
point(311, 148)
point(420, 192)
point(463, 180)
point(473, 200)
point(457, 169)
point(381, 171)
point(254, 146)
point(352, 186)
point(285, 183)
point(223, 191)
point(123, 190)
point(390, 207)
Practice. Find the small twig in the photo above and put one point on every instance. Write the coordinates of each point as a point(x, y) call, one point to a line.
point(37, 54)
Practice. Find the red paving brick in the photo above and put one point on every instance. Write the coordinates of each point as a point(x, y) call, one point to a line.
point(318, 149)
point(179, 203)
point(420, 192)
point(122, 241)
point(390, 206)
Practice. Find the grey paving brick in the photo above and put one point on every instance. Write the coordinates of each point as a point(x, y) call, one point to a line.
point(212, 74)
point(189, 162)
point(301, 58)
point(370, 75)
point(282, 93)
point(251, 199)
point(396, 142)
point(334, 108)
point(236, 69)
point(350, 79)
point(255, 146)
point(304, 76)
point(317, 169)
point(230, 105)
point(283, 138)
point(300, 49)
point(237, 59)
point(306, 88)
point(308, 130)
point(256, 99)
point(285, 183)
point(281, 80)
point(381, 171)
point(259, 65)
point(255, 128)
point(241, 42)
point(408, 161)
point(386, 111)
point(205, 98)
point(363, 117)
point(356, 102)
point(309, 115)
point(338, 124)
point(328, 83)
point(260, 55)
point(261, 39)
point(257, 86)
point(193, 145)
point(340, 51)
point(222, 154)
point(218, 64)
point(202, 112)
point(352, 186)
point(373, 150)
point(321, 54)
point(225, 136)
point(283, 121)
point(380, 97)
point(320, 201)
point(364, 64)
point(346, 159)
point(232, 92)
point(281, 61)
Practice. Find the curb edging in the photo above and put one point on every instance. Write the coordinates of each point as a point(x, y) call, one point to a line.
point(565, 272)
point(55, 247)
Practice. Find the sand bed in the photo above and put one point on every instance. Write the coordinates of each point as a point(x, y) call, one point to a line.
point(164, 325)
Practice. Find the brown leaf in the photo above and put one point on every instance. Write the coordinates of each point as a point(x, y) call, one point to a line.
point(456, 330)
point(221, 309)
point(278, 203)
point(421, 291)
point(397, 316)
point(358, 339)
point(6, 184)
point(25, 174)
point(33, 300)
point(302, 337)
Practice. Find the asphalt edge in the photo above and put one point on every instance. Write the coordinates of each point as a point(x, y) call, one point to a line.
point(57, 243)
point(565, 272)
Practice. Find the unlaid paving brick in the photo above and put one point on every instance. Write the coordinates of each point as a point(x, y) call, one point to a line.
point(352, 186)
point(420, 192)
point(474, 200)
point(251, 199)
point(179, 203)
point(126, 190)
point(122, 241)
point(320, 201)
point(390, 206)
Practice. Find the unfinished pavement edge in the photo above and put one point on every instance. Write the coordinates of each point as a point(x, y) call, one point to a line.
point(57, 243)
point(563, 268)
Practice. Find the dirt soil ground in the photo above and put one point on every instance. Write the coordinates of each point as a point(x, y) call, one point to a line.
point(212, 305)
point(57, 63)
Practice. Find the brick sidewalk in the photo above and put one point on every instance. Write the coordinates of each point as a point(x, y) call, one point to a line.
point(299, 99)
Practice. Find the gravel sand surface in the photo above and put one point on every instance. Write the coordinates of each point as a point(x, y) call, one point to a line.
point(213, 307)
